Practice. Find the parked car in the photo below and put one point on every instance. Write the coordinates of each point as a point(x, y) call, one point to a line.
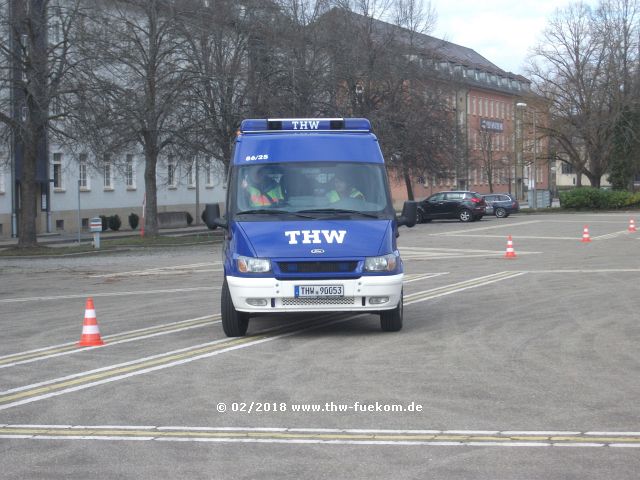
point(464, 205)
point(501, 204)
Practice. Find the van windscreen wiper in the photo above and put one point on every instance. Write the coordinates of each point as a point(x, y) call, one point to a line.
point(339, 210)
point(263, 211)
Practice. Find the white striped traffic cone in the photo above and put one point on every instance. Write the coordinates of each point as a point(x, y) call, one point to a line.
point(632, 225)
point(510, 251)
point(90, 332)
point(585, 235)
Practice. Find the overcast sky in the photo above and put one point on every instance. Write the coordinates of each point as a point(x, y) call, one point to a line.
point(502, 31)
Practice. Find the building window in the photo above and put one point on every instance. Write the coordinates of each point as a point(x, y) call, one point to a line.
point(2, 181)
point(130, 173)
point(171, 173)
point(108, 173)
point(57, 171)
point(208, 176)
point(82, 172)
point(59, 225)
point(191, 177)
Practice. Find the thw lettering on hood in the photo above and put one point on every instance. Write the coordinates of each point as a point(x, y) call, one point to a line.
point(315, 236)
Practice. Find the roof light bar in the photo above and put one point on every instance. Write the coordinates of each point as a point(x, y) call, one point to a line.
point(305, 124)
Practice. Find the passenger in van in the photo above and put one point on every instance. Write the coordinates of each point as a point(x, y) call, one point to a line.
point(263, 189)
point(342, 190)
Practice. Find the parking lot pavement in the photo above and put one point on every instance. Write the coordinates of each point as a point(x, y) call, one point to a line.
point(537, 353)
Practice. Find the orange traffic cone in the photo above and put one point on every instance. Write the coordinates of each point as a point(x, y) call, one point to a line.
point(510, 252)
point(585, 235)
point(632, 225)
point(90, 333)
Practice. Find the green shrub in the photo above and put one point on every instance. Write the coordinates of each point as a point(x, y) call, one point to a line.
point(634, 200)
point(115, 222)
point(189, 219)
point(595, 198)
point(105, 222)
point(133, 221)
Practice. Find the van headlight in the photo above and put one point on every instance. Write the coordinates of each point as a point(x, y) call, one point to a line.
point(385, 263)
point(253, 265)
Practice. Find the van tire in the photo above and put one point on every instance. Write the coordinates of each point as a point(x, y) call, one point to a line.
point(234, 323)
point(391, 320)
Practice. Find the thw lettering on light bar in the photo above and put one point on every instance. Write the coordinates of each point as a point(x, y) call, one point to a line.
point(314, 236)
point(305, 124)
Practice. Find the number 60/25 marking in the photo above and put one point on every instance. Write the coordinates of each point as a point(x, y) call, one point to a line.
point(251, 158)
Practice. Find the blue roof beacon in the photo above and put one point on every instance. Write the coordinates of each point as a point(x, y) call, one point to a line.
point(310, 226)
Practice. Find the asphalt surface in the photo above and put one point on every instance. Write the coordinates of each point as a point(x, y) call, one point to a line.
point(505, 368)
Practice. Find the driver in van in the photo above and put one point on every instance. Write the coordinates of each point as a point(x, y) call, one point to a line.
point(262, 188)
point(342, 190)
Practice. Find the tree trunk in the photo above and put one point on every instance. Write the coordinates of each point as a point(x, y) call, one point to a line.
point(594, 179)
point(407, 182)
point(151, 190)
point(28, 195)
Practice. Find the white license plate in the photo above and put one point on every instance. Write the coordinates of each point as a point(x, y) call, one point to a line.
point(319, 291)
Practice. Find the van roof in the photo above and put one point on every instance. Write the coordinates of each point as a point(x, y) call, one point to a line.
point(321, 141)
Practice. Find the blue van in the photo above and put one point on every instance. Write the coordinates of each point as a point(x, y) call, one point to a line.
point(310, 226)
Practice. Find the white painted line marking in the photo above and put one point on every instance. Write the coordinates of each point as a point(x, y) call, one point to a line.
point(22, 425)
point(156, 367)
point(473, 283)
point(410, 278)
point(112, 427)
point(507, 444)
point(147, 271)
point(107, 294)
point(537, 433)
point(80, 437)
point(470, 432)
point(114, 342)
point(595, 270)
point(616, 434)
point(519, 237)
point(223, 429)
point(493, 227)
point(579, 445)
point(326, 436)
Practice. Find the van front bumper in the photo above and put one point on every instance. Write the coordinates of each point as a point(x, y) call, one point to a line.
point(365, 294)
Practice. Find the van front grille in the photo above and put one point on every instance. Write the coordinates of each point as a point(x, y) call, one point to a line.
point(309, 301)
point(318, 267)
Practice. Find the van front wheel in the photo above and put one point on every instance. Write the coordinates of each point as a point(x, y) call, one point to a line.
point(234, 323)
point(391, 320)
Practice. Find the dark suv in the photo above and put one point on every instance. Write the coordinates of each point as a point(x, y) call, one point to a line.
point(501, 204)
point(464, 205)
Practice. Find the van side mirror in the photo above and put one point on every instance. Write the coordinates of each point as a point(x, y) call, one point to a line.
point(409, 214)
point(211, 216)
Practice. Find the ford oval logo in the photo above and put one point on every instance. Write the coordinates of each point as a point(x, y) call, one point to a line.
point(317, 250)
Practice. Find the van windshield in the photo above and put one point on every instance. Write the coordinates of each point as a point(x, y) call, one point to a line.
point(321, 188)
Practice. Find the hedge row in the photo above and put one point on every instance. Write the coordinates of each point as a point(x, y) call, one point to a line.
point(596, 199)
point(114, 223)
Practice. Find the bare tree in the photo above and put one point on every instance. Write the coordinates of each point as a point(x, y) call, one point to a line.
point(36, 69)
point(486, 139)
point(383, 71)
point(582, 66)
point(216, 53)
point(136, 94)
